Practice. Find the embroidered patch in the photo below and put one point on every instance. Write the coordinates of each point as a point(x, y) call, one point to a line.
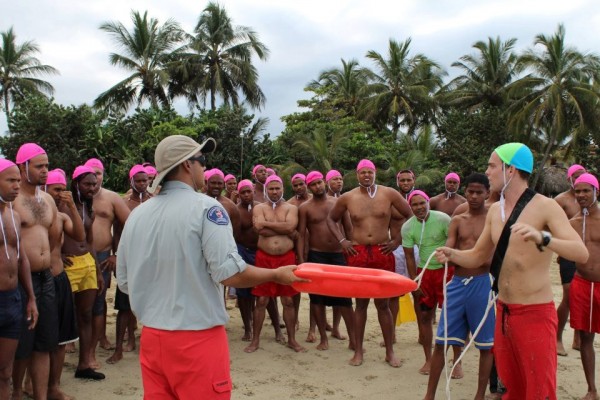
point(217, 215)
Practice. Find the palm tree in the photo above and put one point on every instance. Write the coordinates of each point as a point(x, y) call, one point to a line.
point(487, 75)
point(401, 91)
point(219, 62)
point(19, 69)
point(559, 100)
point(345, 85)
point(147, 50)
point(322, 149)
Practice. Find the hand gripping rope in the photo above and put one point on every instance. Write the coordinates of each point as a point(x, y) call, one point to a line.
point(491, 303)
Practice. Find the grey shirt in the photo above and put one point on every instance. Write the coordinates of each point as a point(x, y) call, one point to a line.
point(175, 250)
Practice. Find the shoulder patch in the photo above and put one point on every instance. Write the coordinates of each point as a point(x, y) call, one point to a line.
point(218, 215)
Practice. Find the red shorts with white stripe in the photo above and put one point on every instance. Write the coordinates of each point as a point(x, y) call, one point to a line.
point(584, 304)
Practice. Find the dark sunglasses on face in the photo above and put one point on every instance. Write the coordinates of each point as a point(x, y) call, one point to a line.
point(201, 159)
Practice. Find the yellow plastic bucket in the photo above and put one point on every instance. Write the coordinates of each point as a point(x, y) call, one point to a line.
point(406, 311)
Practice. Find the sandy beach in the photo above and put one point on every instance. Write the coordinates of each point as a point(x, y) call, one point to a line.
point(276, 372)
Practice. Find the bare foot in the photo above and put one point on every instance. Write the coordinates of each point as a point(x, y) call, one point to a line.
point(106, 345)
point(324, 345)
point(311, 338)
point(296, 347)
point(493, 396)
point(247, 336)
point(590, 396)
point(130, 346)
point(458, 372)
point(115, 358)
point(338, 335)
point(57, 394)
point(357, 359)
point(251, 348)
point(70, 348)
point(280, 339)
point(393, 361)
point(425, 368)
point(328, 327)
point(560, 349)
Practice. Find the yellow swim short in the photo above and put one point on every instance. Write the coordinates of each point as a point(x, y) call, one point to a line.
point(82, 274)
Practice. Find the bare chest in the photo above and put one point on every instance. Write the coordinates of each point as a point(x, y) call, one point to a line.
point(34, 212)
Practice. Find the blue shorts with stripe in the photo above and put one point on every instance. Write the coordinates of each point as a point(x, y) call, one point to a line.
point(467, 299)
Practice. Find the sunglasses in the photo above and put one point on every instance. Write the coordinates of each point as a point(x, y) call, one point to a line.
point(201, 159)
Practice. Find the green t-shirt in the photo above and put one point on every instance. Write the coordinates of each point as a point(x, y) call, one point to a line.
point(435, 234)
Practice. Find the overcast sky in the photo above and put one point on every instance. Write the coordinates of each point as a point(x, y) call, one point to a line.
point(304, 37)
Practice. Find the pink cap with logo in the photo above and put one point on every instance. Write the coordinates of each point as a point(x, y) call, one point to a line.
point(94, 163)
point(244, 183)
point(452, 175)
point(418, 193)
point(364, 163)
point(82, 169)
point(313, 176)
point(574, 168)
point(332, 174)
point(28, 151)
point(589, 179)
point(228, 177)
point(56, 177)
point(5, 164)
point(298, 176)
point(136, 169)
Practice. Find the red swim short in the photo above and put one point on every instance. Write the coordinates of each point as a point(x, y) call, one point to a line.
point(432, 286)
point(268, 261)
point(525, 350)
point(370, 256)
point(185, 364)
point(584, 303)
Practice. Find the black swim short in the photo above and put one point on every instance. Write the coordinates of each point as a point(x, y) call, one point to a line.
point(122, 301)
point(11, 314)
point(249, 257)
point(44, 337)
point(67, 320)
point(331, 259)
point(567, 270)
point(99, 307)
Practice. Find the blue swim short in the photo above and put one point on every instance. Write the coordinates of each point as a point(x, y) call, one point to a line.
point(467, 299)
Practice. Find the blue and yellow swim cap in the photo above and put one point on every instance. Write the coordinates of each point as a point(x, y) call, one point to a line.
point(516, 154)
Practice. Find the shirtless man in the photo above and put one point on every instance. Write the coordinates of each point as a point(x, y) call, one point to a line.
point(568, 203)
point(428, 230)
point(215, 185)
point(468, 293)
point(108, 208)
point(231, 188)
point(448, 201)
point(525, 333)
point(126, 321)
point(14, 275)
point(370, 208)
point(275, 221)
point(335, 183)
point(323, 248)
point(585, 288)
point(259, 173)
point(69, 222)
point(83, 269)
point(38, 215)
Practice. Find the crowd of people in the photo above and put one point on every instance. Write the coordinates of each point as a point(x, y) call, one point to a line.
point(201, 230)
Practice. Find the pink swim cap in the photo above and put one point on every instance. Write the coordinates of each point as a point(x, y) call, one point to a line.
point(273, 178)
point(452, 175)
point(150, 170)
point(5, 164)
point(243, 183)
point(298, 176)
point(332, 174)
point(228, 177)
point(417, 193)
point(313, 176)
point(56, 177)
point(256, 167)
point(82, 169)
point(213, 172)
point(28, 151)
point(574, 168)
point(136, 169)
point(364, 163)
point(61, 171)
point(589, 179)
point(271, 171)
point(94, 163)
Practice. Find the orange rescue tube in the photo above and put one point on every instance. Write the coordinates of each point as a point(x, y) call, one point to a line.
point(341, 281)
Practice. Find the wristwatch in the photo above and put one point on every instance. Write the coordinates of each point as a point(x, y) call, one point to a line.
point(546, 237)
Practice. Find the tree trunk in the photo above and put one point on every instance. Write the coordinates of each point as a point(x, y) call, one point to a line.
point(7, 109)
point(545, 158)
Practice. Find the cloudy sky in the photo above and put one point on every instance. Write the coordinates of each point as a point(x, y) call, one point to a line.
point(304, 37)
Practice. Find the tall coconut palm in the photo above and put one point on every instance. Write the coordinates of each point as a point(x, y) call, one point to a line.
point(559, 100)
point(322, 149)
point(402, 87)
point(219, 62)
point(487, 75)
point(345, 84)
point(19, 69)
point(147, 50)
